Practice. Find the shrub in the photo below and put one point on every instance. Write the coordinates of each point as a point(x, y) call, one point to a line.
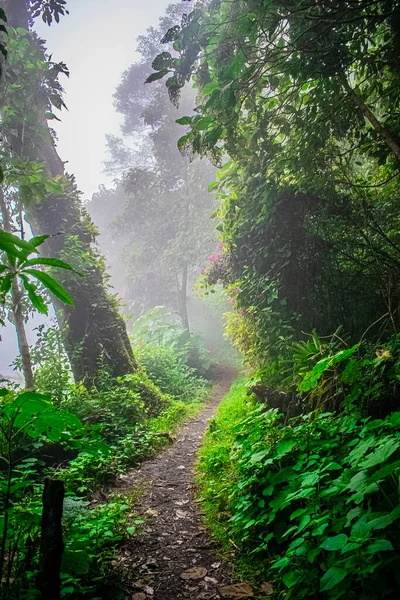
point(316, 501)
point(126, 402)
point(158, 327)
point(166, 368)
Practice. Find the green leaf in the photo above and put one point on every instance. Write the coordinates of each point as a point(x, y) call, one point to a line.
point(282, 562)
point(313, 554)
point(381, 454)
point(6, 283)
point(11, 250)
point(37, 301)
point(384, 521)
point(202, 123)
point(156, 76)
point(38, 240)
point(332, 578)
point(361, 530)
point(184, 121)
point(284, 447)
point(334, 543)
point(258, 456)
point(213, 185)
point(290, 579)
point(379, 546)
point(9, 238)
point(349, 547)
point(52, 262)
point(52, 285)
point(131, 530)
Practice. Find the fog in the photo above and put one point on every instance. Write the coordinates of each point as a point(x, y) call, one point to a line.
point(119, 139)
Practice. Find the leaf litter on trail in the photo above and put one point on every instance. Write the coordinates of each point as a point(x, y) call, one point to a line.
point(237, 591)
point(194, 573)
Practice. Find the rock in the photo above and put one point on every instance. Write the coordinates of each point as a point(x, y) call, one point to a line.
point(238, 591)
point(194, 573)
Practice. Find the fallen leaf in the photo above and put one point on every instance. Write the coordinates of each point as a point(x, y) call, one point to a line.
point(266, 588)
point(139, 596)
point(216, 565)
point(149, 590)
point(194, 573)
point(211, 580)
point(238, 591)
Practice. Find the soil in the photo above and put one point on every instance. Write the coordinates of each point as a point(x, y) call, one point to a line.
point(173, 557)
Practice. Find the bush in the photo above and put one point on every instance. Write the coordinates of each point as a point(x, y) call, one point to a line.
point(158, 327)
point(166, 368)
point(316, 501)
point(126, 402)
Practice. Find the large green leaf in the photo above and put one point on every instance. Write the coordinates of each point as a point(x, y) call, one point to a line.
point(336, 542)
point(382, 453)
point(6, 283)
point(52, 285)
point(51, 262)
point(379, 546)
point(332, 578)
point(34, 414)
point(284, 447)
point(9, 238)
point(37, 301)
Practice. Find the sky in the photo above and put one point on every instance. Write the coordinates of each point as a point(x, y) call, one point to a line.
point(97, 41)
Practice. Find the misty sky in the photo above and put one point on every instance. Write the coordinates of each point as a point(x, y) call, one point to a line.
point(97, 41)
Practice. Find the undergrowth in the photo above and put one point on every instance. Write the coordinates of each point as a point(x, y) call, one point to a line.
point(312, 503)
point(86, 437)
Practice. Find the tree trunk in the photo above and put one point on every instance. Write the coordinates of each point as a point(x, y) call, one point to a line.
point(182, 298)
point(23, 345)
point(51, 542)
point(17, 309)
point(95, 332)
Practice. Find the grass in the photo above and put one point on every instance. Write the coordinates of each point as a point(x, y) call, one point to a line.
point(215, 471)
point(173, 417)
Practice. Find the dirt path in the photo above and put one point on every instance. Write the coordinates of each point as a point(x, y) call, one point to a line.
point(174, 540)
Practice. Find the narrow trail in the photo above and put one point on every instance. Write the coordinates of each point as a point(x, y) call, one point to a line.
point(173, 539)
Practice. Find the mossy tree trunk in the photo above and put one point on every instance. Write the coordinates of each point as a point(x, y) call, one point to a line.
point(95, 332)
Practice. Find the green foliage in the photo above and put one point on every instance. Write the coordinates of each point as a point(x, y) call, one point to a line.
point(92, 535)
point(18, 266)
point(118, 405)
point(166, 368)
point(315, 502)
point(158, 327)
point(28, 424)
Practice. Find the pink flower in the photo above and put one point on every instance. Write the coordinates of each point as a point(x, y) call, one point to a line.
point(202, 271)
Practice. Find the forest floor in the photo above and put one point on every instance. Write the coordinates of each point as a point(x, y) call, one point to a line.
point(173, 557)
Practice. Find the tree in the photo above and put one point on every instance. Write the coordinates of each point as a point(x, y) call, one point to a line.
point(19, 268)
point(161, 207)
point(303, 96)
point(94, 330)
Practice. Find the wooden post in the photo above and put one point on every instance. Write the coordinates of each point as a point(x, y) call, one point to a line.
point(51, 542)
